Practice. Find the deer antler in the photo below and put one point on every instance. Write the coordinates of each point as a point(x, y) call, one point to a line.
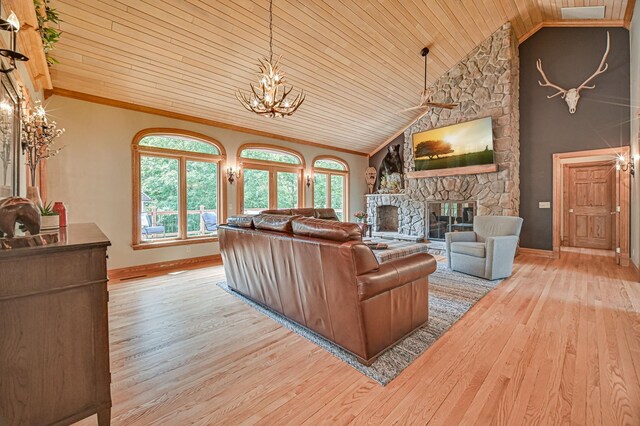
point(547, 83)
point(601, 68)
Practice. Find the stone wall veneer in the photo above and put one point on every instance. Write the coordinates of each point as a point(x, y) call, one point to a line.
point(485, 83)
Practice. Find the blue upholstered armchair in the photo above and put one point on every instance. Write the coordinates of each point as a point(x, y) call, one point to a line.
point(210, 220)
point(488, 250)
point(149, 230)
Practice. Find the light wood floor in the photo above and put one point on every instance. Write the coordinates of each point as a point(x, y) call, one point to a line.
point(559, 342)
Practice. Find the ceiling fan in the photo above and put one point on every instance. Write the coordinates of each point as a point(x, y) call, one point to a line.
point(425, 96)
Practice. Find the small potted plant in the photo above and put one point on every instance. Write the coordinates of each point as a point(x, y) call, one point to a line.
point(360, 216)
point(50, 218)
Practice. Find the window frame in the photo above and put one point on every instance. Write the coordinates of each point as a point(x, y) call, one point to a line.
point(273, 167)
point(329, 173)
point(137, 151)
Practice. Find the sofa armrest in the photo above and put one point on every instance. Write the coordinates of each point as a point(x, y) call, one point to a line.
point(457, 237)
point(500, 254)
point(395, 273)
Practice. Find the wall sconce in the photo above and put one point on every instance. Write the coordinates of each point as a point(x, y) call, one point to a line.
point(232, 175)
point(308, 181)
point(624, 165)
point(11, 24)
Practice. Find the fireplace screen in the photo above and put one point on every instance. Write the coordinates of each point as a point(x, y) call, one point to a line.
point(449, 216)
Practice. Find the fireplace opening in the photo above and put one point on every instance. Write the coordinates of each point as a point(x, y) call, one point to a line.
point(387, 218)
point(449, 216)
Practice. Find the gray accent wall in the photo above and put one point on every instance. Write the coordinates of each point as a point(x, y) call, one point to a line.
point(569, 56)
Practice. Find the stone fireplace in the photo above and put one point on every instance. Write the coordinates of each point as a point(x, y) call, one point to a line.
point(387, 218)
point(410, 214)
point(484, 84)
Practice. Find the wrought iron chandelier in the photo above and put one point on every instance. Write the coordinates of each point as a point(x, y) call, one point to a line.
point(269, 96)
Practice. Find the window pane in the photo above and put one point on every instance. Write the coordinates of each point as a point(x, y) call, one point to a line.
point(329, 164)
point(178, 143)
point(265, 154)
point(202, 198)
point(287, 190)
point(159, 198)
point(337, 195)
point(256, 190)
point(320, 190)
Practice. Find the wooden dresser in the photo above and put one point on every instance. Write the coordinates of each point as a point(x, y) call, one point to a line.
point(54, 341)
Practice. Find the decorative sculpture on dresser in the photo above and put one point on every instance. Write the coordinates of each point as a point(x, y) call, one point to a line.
point(571, 96)
point(18, 210)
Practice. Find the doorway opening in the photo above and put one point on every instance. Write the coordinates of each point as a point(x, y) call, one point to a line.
point(591, 202)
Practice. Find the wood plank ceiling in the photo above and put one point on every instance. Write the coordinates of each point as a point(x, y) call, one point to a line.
point(358, 61)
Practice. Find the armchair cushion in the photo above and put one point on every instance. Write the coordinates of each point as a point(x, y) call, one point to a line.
point(496, 226)
point(471, 249)
point(459, 237)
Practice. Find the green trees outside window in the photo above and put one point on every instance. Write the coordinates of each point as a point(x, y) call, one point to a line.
point(179, 188)
point(330, 179)
point(271, 179)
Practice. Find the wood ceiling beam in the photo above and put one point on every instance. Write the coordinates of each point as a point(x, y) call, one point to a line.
point(178, 116)
point(575, 23)
point(628, 13)
point(30, 43)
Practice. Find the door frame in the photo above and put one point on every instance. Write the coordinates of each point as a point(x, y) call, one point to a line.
point(566, 230)
point(622, 195)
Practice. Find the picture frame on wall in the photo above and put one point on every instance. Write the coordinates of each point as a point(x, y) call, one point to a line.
point(10, 152)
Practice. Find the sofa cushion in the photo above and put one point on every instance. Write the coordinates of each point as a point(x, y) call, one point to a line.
point(471, 249)
point(326, 229)
point(274, 222)
point(286, 212)
point(308, 212)
point(328, 214)
point(241, 221)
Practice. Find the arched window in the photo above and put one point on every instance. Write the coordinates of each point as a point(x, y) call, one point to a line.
point(331, 185)
point(270, 177)
point(178, 182)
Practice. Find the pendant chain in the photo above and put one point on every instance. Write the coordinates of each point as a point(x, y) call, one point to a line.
point(270, 31)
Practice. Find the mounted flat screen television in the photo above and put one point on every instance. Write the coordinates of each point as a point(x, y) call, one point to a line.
point(457, 146)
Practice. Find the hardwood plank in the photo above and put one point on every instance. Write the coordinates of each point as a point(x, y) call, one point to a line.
point(558, 342)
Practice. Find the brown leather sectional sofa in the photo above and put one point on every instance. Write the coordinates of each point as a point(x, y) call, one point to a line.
point(319, 274)
point(327, 214)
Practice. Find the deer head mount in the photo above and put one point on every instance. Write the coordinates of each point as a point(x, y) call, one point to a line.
point(571, 96)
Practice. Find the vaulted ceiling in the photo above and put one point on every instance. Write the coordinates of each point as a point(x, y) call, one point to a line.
point(357, 61)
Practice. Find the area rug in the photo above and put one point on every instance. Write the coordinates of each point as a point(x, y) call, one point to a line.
point(451, 295)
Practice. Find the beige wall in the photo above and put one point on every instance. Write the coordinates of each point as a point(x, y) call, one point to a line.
point(635, 133)
point(92, 175)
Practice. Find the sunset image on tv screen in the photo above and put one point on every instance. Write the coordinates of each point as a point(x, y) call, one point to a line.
point(460, 145)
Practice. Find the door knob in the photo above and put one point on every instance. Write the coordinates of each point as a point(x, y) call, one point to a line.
point(570, 210)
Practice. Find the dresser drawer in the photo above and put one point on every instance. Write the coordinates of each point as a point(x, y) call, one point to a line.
point(21, 276)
